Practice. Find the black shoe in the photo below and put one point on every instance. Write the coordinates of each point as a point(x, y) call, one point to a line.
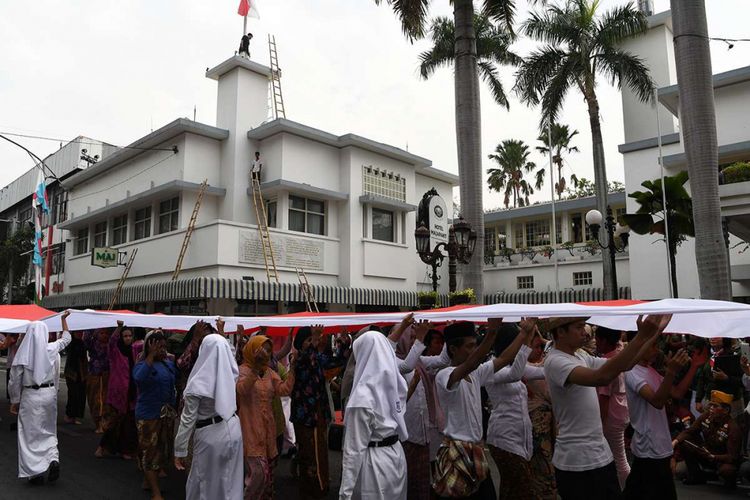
point(36, 480)
point(53, 474)
point(692, 481)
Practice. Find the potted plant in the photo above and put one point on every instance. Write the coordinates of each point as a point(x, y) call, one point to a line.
point(529, 253)
point(568, 245)
point(427, 300)
point(548, 251)
point(465, 296)
point(507, 253)
point(592, 247)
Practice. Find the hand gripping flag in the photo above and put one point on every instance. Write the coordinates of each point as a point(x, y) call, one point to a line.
point(41, 207)
point(248, 8)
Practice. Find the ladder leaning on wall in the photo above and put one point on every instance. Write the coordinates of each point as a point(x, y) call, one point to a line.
point(128, 266)
point(275, 77)
point(265, 237)
point(190, 229)
point(304, 286)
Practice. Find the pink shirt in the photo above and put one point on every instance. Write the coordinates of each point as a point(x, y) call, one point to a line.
point(618, 401)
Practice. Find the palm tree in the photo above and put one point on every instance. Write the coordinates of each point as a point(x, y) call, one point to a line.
point(413, 15)
point(512, 156)
point(493, 47)
point(561, 138)
point(650, 216)
point(698, 125)
point(579, 46)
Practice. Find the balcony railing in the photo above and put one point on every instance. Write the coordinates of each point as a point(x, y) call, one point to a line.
point(543, 255)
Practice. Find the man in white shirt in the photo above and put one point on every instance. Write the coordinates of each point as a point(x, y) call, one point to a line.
point(648, 393)
point(255, 167)
point(584, 466)
point(462, 468)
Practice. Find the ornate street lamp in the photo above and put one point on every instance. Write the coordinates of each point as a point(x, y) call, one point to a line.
point(594, 221)
point(462, 241)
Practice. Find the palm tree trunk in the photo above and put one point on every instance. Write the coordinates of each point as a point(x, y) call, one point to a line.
point(698, 124)
point(673, 264)
point(469, 137)
point(600, 186)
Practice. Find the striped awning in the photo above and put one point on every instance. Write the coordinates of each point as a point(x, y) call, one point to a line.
point(549, 297)
point(223, 288)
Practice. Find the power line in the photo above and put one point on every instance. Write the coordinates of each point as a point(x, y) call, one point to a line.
point(129, 178)
point(55, 139)
point(729, 41)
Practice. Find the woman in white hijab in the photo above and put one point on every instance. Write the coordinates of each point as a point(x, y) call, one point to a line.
point(210, 407)
point(34, 378)
point(374, 461)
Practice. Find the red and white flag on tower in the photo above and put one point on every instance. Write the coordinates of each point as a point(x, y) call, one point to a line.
point(248, 8)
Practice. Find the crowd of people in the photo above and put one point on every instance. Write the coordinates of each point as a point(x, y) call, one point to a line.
point(560, 408)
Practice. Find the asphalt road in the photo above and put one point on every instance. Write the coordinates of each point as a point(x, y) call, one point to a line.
point(84, 476)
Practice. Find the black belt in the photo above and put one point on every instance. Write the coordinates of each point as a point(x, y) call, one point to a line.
point(209, 421)
point(389, 441)
point(37, 387)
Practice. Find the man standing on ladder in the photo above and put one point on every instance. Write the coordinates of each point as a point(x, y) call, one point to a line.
point(255, 167)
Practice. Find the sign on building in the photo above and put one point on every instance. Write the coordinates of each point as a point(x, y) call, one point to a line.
point(104, 257)
point(289, 251)
point(434, 215)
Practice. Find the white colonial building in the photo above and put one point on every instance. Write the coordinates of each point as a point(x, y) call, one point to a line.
point(341, 207)
point(644, 124)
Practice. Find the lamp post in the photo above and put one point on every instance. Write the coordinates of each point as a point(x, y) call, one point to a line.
point(462, 240)
point(613, 228)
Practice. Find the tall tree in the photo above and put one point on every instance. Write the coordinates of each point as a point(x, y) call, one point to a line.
point(698, 125)
point(493, 47)
point(675, 223)
point(562, 136)
point(512, 157)
point(579, 46)
point(413, 15)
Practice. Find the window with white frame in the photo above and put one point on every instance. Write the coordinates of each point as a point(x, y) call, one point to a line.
point(378, 182)
point(525, 282)
point(82, 241)
point(383, 225)
point(120, 229)
point(142, 223)
point(583, 278)
point(518, 241)
point(306, 215)
point(538, 232)
point(100, 234)
point(490, 240)
point(169, 212)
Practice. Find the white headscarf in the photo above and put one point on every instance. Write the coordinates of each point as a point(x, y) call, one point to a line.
point(215, 375)
point(378, 385)
point(33, 354)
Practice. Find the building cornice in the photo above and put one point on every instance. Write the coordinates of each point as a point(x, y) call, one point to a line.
point(670, 96)
point(651, 142)
point(546, 208)
point(154, 139)
point(237, 62)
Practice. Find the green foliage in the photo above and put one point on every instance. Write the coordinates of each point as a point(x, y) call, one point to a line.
point(493, 47)
point(561, 136)
point(466, 293)
point(583, 188)
point(512, 157)
point(736, 172)
point(430, 294)
point(16, 251)
point(649, 218)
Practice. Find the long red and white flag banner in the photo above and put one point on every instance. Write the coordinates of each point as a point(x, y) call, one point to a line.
point(248, 8)
point(703, 318)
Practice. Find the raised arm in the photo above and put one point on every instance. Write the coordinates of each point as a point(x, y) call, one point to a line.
point(116, 335)
point(514, 372)
point(476, 357)
point(648, 329)
point(697, 360)
point(60, 344)
point(659, 398)
point(525, 337)
point(286, 348)
point(395, 335)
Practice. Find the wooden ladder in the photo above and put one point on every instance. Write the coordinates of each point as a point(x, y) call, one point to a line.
point(278, 98)
point(306, 290)
point(190, 229)
point(128, 266)
point(265, 237)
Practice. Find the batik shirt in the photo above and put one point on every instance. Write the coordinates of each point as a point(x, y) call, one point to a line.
point(98, 355)
point(309, 396)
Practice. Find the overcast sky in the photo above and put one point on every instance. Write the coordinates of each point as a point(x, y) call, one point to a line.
point(112, 70)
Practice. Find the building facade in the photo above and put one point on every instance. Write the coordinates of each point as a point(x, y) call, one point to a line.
point(653, 132)
point(340, 207)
